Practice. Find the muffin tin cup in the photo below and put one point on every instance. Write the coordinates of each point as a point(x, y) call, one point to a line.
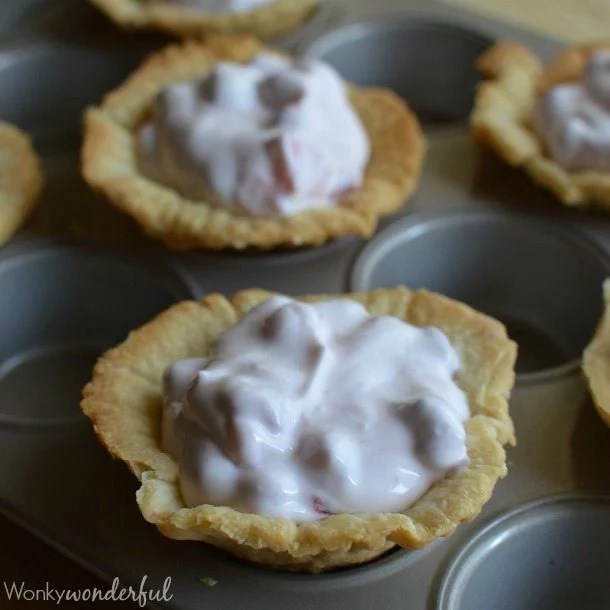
point(53, 82)
point(553, 553)
point(63, 305)
point(543, 281)
point(430, 64)
point(298, 271)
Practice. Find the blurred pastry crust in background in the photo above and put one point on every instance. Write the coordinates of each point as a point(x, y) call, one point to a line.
point(21, 179)
point(124, 402)
point(278, 18)
point(110, 163)
point(596, 360)
point(502, 117)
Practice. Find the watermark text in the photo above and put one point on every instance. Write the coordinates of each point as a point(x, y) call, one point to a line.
point(142, 595)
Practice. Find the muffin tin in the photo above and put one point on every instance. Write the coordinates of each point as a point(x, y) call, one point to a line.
point(79, 276)
point(573, 535)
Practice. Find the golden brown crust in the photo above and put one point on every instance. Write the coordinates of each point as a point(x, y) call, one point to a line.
point(501, 119)
point(276, 19)
point(596, 361)
point(20, 179)
point(110, 164)
point(569, 65)
point(123, 400)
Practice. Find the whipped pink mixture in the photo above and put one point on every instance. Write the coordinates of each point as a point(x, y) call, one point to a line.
point(305, 410)
point(223, 6)
point(574, 119)
point(269, 138)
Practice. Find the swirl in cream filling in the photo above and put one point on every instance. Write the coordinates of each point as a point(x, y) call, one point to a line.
point(223, 6)
point(268, 138)
point(305, 410)
point(574, 119)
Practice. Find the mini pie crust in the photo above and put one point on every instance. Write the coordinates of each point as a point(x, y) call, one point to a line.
point(21, 179)
point(596, 361)
point(268, 21)
point(501, 120)
point(110, 166)
point(124, 401)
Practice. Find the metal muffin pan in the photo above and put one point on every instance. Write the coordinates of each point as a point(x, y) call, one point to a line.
point(51, 84)
point(63, 486)
point(66, 305)
point(494, 261)
point(572, 534)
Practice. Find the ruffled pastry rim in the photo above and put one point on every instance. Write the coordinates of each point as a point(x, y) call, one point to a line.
point(21, 179)
point(109, 162)
point(501, 119)
point(276, 19)
point(123, 400)
point(596, 360)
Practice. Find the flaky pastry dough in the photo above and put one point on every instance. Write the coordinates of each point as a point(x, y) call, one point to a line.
point(275, 19)
point(502, 117)
point(124, 400)
point(21, 179)
point(110, 165)
point(596, 361)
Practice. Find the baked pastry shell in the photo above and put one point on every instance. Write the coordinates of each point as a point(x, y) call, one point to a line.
point(110, 163)
point(502, 118)
point(276, 19)
point(21, 179)
point(124, 402)
point(596, 361)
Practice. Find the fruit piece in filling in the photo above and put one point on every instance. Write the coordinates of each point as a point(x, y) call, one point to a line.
point(304, 410)
point(267, 138)
point(573, 119)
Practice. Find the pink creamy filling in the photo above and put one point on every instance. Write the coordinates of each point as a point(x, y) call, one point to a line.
point(269, 138)
point(574, 119)
point(305, 410)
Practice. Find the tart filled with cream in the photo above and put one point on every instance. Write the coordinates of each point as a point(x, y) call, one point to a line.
point(187, 18)
point(312, 433)
point(227, 145)
point(554, 122)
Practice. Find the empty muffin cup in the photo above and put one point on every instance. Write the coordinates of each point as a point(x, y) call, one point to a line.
point(61, 306)
point(52, 83)
point(430, 64)
point(547, 555)
point(542, 279)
